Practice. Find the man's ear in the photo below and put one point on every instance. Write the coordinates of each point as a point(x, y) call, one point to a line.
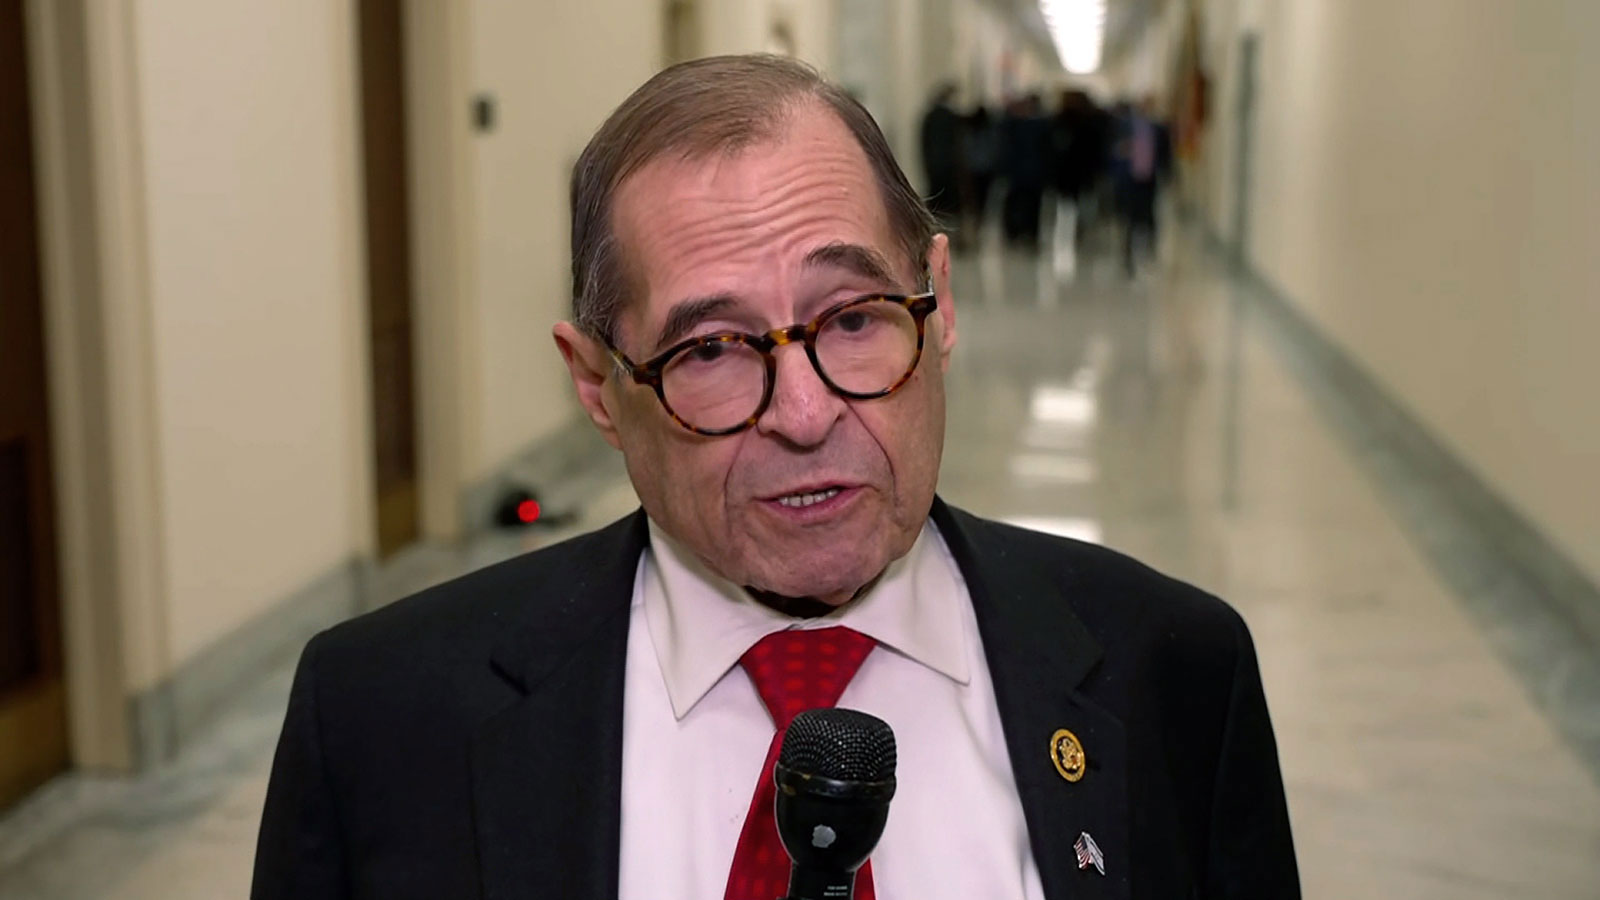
point(939, 266)
point(589, 364)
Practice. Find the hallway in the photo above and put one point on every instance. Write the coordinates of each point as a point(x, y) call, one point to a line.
point(1162, 420)
point(1158, 417)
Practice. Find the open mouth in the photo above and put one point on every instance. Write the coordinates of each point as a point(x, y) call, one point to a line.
point(808, 498)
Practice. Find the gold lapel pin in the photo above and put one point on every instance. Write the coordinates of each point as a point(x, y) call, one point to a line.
point(1066, 751)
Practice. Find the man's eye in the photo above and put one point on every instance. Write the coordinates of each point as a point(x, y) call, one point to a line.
point(707, 352)
point(852, 321)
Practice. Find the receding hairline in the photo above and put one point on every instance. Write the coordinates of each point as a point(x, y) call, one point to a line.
point(770, 128)
point(794, 113)
point(790, 114)
point(705, 109)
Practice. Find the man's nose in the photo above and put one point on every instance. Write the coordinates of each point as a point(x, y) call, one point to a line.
point(803, 409)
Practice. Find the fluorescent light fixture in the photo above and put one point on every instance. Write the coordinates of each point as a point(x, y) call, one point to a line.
point(1057, 404)
point(1078, 28)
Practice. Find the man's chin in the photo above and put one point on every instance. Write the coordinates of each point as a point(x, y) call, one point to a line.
point(831, 581)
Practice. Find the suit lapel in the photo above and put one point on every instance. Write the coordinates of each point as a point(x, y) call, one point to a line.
point(547, 769)
point(1039, 653)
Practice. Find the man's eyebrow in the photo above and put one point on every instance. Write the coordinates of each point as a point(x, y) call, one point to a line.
point(859, 260)
point(862, 261)
point(686, 315)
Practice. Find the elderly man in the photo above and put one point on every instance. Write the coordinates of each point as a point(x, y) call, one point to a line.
point(762, 320)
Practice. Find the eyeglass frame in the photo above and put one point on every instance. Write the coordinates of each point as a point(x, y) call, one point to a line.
point(650, 372)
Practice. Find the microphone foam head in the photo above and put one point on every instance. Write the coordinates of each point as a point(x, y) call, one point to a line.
point(842, 744)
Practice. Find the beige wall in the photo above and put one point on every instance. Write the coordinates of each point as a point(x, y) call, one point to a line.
point(1144, 67)
point(733, 26)
point(555, 71)
point(1426, 190)
point(438, 57)
point(245, 113)
point(746, 26)
point(813, 23)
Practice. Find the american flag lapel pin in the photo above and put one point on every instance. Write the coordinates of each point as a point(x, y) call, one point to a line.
point(1089, 853)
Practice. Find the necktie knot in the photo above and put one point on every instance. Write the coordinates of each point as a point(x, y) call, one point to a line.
point(793, 671)
point(799, 670)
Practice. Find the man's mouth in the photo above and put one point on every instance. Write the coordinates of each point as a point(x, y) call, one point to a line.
point(808, 498)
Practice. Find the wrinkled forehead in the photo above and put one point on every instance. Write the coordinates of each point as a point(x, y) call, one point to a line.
point(686, 223)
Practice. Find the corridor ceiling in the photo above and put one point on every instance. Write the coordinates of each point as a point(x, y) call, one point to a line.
point(1125, 20)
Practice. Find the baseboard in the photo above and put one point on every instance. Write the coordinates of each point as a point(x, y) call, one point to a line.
point(166, 718)
point(548, 466)
point(1434, 475)
point(1536, 605)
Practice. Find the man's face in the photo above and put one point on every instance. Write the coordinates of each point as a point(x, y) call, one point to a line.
point(746, 231)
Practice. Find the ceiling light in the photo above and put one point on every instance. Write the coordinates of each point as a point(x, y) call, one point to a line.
point(1078, 29)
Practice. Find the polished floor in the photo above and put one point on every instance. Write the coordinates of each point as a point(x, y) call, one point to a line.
point(1155, 416)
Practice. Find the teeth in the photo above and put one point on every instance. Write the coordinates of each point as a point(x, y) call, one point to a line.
point(798, 501)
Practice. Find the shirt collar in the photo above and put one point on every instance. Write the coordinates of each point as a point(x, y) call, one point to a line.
point(701, 623)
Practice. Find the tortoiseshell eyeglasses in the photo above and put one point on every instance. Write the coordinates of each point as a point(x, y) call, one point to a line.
point(721, 383)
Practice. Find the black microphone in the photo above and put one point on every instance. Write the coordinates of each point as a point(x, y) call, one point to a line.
point(835, 777)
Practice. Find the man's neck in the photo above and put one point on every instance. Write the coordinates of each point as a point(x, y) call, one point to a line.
point(807, 607)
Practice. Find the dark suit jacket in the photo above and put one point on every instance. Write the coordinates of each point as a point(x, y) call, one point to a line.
point(467, 742)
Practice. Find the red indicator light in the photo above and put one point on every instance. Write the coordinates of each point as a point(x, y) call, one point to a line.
point(528, 511)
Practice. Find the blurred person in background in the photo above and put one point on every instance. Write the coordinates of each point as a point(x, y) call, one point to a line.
point(587, 720)
point(941, 142)
point(983, 163)
point(1079, 141)
point(1144, 161)
point(1025, 141)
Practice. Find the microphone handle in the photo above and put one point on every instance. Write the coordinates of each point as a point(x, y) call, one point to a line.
point(810, 884)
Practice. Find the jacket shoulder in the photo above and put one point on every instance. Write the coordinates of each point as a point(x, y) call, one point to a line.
point(1116, 596)
point(583, 576)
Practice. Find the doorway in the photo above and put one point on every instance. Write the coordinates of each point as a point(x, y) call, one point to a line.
point(1239, 236)
point(680, 32)
point(389, 289)
point(33, 712)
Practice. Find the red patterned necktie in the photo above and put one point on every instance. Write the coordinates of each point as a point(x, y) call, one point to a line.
point(794, 671)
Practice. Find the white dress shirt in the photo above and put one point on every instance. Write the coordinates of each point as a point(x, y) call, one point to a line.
point(695, 732)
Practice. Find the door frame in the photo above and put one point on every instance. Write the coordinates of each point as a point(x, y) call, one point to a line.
point(83, 73)
point(390, 305)
point(1249, 65)
point(33, 728)
point(440, 159)
point(100, 372)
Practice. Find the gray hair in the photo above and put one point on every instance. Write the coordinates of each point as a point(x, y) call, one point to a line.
point(720, 104)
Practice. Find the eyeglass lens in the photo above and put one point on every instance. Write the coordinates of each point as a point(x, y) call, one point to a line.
point(864, 349)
